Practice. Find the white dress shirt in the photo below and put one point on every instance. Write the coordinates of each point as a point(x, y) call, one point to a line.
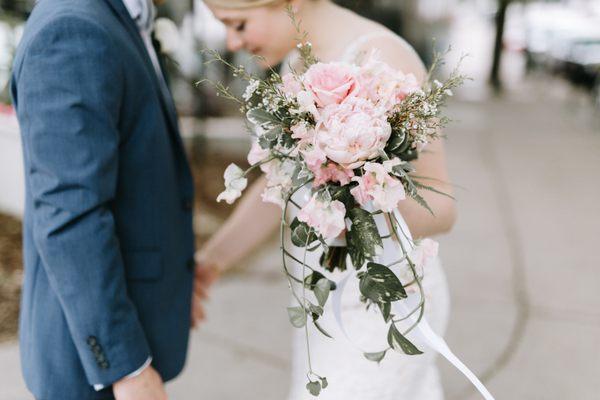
point(143, 13)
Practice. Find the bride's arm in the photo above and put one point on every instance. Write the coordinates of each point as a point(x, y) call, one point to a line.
point(431, 163)
point(250, 224)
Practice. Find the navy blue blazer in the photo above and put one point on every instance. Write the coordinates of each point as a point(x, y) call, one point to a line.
point(108, 241)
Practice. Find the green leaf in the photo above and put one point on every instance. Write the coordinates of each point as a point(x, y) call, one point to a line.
point(311, 281)
point(356, 255)
point(364, 235)
point(258, 116)
point(316, 311)
point(381, 285)
point(321, 290)
point(400, 343)
point(386, 309)
point(302, 234)
point(342, 193)
point(377, 357)
point(314, 388)
point(297, 316)
point(323, 331)
point(324, 382)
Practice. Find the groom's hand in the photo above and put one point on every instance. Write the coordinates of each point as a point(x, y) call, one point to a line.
point(205, 275)
point(146, 386)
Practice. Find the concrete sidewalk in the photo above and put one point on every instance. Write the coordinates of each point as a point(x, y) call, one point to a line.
point(521, 263)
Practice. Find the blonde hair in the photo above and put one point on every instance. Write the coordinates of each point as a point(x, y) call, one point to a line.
point(236, 4)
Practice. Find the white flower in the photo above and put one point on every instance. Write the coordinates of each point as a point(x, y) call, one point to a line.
point(250, 89)
point(168, 35)
point(235, 182)
point(306, 101)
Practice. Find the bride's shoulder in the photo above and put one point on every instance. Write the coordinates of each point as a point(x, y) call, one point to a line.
point(391, 48)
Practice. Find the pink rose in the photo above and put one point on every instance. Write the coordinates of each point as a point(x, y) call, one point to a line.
point(352, 132)
point(328, 219)
point(331, 83)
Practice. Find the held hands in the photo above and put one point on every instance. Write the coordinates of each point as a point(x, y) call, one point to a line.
point(206, 273)
point(148, 385)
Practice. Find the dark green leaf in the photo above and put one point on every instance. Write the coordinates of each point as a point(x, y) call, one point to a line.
point(381, 285)
point(365, 237)
point(321, 290)
point(377, 357)
point(342, 193)
point(386, 309)
point(297, 316)
point(302, 234)
point(400, 343)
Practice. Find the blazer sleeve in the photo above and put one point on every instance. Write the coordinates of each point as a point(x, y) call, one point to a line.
point(69, 90)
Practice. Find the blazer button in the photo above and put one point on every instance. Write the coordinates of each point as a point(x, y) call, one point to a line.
point(92, 341)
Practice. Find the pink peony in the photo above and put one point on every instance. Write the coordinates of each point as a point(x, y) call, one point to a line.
point(328, 219)
point(378, 186)
point(352, 132)
point(331, 83)
point(384, 85)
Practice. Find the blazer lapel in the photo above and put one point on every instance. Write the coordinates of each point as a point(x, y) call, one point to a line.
point(165, 99)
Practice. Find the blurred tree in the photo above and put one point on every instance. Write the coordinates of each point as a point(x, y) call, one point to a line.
point(500, 20)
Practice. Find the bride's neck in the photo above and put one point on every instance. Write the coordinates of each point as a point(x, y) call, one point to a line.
point(319, 18)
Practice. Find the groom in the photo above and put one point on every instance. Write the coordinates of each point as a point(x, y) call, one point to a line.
point(108, 238)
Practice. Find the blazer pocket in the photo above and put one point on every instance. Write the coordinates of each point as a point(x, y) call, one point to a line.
point(143, 265)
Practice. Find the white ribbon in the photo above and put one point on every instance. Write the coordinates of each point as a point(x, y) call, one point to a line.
point(423, 331)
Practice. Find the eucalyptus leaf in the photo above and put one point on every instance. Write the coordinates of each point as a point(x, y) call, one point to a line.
point(258, 116)
point(297, 316)
point(323, 331)
point(314, 388)
point(321, 290)
point(381, 285)
point(324, 382)
point(377, 357)
point(400, 343)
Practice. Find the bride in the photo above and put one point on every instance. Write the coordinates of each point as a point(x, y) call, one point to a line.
point(264, 28)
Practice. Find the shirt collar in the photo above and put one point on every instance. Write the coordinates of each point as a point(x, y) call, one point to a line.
point(142, 12)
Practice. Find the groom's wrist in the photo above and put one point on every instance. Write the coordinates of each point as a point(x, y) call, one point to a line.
point(135, 373)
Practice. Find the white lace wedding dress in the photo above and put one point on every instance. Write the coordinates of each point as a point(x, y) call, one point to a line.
point(350, 375)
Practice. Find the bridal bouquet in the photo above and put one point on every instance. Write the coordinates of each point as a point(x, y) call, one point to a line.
point(348, 133)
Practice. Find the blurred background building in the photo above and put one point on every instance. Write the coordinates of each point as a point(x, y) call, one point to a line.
point(525, 155)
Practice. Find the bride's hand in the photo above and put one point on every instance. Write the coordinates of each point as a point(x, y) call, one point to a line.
point(205, 274)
